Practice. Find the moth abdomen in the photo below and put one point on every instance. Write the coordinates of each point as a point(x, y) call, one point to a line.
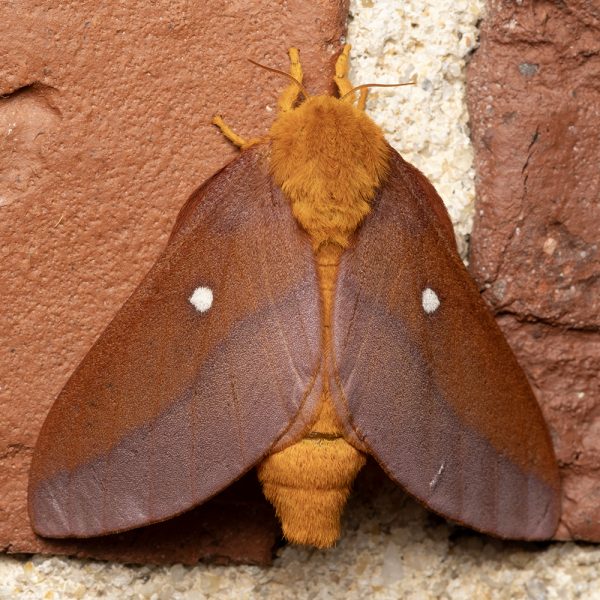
point(308, 483)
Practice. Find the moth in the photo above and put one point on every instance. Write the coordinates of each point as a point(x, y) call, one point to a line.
point(310, 309)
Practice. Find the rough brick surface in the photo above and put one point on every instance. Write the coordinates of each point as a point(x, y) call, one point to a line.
point(534, 96)
point(104, 121)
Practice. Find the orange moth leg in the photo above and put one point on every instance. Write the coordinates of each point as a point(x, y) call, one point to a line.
point(341, 75)
point(362, 100)
point(290, 93)
point(233, 137)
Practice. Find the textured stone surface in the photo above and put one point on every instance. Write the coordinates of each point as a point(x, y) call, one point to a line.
point(104, 132)
point(534, 98)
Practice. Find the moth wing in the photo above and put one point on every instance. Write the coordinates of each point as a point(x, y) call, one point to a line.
point(172, 404)
point(425, 377)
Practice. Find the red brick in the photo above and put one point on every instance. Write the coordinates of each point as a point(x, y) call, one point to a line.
point(533, 97)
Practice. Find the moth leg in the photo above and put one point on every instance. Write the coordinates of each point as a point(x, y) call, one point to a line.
point(341, 74)
point(290, 93)
point(233, 137)
point(362, 100)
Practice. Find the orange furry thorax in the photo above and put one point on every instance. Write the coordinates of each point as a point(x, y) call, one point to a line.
point(329, 158)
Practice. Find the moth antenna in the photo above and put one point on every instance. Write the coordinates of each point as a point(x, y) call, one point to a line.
point(302, 89)
point(363, 86)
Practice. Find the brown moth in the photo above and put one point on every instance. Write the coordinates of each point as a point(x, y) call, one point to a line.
point(309, 309)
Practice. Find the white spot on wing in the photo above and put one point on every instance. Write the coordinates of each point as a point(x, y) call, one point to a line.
point(202, 299)
point(430, 301)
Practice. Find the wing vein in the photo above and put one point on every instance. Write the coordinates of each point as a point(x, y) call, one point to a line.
point(235, 414)
point(269, 291)
point(357, 361)
point(290, 261)
point(265, 347)
point(352, 318)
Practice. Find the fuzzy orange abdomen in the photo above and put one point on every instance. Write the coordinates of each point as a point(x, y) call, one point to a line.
point(308, 483)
